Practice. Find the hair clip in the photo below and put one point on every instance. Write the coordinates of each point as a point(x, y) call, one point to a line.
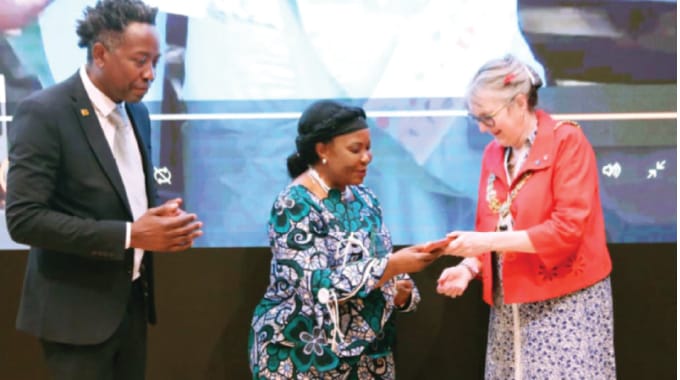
point(508, 79)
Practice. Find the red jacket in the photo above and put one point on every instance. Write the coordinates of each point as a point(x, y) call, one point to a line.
point(559, 207)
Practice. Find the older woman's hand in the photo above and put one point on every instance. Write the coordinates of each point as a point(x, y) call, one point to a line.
point(468, 243)
point(453, 281)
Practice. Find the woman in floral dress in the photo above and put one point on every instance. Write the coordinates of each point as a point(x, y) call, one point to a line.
point(539, 246)
point(335, 283)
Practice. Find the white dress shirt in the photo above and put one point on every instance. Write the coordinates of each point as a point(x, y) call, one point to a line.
point(103, 106)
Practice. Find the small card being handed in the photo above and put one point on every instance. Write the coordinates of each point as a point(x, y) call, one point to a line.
point(437, 244)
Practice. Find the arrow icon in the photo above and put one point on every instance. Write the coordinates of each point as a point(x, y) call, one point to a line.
point(661, 165)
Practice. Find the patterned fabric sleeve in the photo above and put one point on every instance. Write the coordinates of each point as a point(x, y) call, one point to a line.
point(414, 300)
point(305, 242)
point(388, 288)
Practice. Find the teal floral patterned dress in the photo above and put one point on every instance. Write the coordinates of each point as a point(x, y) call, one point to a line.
point(321, 317)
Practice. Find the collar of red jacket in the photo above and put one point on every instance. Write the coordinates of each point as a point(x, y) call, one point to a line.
point(540, 156)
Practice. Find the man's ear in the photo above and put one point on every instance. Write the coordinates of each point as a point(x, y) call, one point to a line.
point(99, 54)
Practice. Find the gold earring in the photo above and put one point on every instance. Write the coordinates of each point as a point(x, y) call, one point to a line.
point(324, 161)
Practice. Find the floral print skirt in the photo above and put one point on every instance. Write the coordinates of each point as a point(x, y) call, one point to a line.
point(274, 362)
point(571, 337)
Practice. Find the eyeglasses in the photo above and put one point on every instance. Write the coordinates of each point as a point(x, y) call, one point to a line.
point(488, 120)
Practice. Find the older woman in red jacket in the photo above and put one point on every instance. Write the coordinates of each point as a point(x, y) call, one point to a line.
point(539, 245)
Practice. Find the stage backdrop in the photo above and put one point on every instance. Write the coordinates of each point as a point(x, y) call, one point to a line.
point(235, 76)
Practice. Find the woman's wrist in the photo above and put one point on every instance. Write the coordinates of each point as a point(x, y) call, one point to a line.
point(472, 266)
point(391, 270)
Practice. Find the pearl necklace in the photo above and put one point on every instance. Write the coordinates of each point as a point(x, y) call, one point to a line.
point(317, 178)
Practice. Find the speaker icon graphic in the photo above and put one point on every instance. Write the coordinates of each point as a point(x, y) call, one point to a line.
point(612, 170)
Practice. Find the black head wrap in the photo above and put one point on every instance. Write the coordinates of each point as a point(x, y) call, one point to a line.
point(320, 122)
point(326, 119)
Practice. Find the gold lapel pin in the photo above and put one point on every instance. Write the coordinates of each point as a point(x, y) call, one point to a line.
point(84, 112)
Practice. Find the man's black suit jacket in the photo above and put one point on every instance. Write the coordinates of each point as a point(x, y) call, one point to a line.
point(67, 201)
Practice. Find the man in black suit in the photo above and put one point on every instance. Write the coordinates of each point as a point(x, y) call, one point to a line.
point(80, 193)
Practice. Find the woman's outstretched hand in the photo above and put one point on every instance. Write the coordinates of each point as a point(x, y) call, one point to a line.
point(467, 243)
point(454, 280)
point(410, 260)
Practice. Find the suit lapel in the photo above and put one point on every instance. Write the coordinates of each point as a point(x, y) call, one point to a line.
point(89, 123)
point(142, 133)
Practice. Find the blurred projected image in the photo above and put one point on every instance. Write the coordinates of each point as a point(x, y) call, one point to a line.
point(235, 75)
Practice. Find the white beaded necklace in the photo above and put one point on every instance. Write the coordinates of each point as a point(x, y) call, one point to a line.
point(317, 178)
